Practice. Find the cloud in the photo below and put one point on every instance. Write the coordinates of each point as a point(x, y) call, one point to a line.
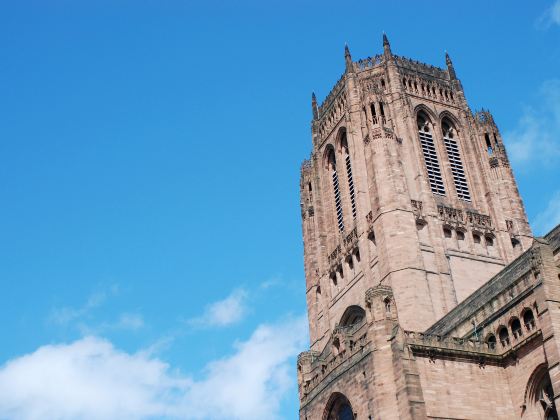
point(126, 321)
point(550, 17)
point(224, 312)
point(549, 217)
point(130, 321)
point(91, 379)
point(66, 315)
point(535, 140)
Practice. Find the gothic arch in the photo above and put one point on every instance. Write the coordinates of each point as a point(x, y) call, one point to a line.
point(421, 108)
point(341, 135)
point(329, 148)
point(446, 115)
point(353, 315)
point(338, 408)
point(538, 400)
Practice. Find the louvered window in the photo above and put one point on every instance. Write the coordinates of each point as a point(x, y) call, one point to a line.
point(350, 179)
point(336, 190)
point(430, 157)
point(459, 177)
point(337, 201)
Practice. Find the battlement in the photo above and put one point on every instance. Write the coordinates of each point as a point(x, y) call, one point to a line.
point(419, 67)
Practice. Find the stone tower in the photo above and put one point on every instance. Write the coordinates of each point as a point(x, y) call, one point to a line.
point(409, 205)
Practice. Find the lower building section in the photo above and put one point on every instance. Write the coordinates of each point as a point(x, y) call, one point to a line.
point(494, 356)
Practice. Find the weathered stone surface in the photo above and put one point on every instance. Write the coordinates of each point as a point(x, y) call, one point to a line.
point(421, 304)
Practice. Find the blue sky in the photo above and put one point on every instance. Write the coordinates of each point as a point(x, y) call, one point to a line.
point(150, 249)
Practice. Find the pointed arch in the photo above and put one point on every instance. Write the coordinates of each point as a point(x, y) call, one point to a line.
point(426, 110)
point(338, 408)
point(539, 395)
point(330, 165)
point(450, 116)
point(451, 141)
point(353, 315)
point(342, 140)
point(426, 137)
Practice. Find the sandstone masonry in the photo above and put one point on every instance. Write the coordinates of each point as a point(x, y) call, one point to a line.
point(427, 295)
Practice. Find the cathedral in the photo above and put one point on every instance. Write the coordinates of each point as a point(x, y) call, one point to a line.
point(427, 295)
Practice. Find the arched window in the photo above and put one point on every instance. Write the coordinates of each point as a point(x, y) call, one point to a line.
point(353, 316)
point(430, 156)
point(382, 112)
point(339, 408)
point(372, 243)
point(344, 144)
point(491, 341)
point(387, 303)
point(336, 190)
point(529, 319)
point(488, 144)
point(350, 263)
point(373, 114)
point(516, 328)
point(504, 336)
point(539, 397)
point(452, 147)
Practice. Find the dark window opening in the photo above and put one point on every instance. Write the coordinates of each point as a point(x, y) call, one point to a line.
point(529, 319)
point(516, 328)
point(491, 341)
point(488, 144)
point(504, 336)
point(373, 114)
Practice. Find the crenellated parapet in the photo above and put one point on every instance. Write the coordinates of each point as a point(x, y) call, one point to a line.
point(369, 63)
point(421, 68)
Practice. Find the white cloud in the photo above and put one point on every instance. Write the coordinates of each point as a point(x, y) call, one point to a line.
point(126, 321)
point(224, 312)
point(130, 321)
point(66, 315)
point(536, 139)
point(91, 379)
point(549, 217)
point(550, 17)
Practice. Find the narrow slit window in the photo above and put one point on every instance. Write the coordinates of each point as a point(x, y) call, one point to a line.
point(488, 144)
point(336, 191)
point(430, 156)
point(349, 175)
point(373, 114)
point(459, 176)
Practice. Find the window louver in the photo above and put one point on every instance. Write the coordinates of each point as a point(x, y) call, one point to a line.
point(350, 184)
point(457, 169)
point(432, 164)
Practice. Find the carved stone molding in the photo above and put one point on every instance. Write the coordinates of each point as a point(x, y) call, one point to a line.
point(379, 290)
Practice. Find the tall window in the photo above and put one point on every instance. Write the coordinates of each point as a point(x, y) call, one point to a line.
point(340, 409)
point(344, 143)
point(430, 155)
point(373, 114)
point(459, 177)
point(336, 190)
